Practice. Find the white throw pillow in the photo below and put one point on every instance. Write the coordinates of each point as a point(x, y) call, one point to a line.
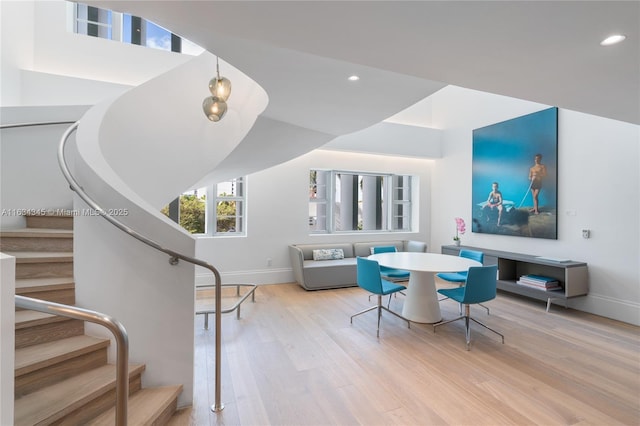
point(328, 254)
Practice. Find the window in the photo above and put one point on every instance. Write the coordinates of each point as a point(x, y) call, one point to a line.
point(216, 210)
point(229, 201)
point(318, 201)
point(93, 21)
point(103, 23)
point(189, 210)
point(342, 201)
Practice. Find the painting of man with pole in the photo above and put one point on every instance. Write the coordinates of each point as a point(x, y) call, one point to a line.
point(514, 172)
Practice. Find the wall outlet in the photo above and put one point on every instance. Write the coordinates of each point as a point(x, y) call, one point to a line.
point(586, 233)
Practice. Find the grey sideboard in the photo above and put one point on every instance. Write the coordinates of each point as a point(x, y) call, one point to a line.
point(572, 276)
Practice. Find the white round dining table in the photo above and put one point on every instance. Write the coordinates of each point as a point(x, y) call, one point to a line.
point(421, 304)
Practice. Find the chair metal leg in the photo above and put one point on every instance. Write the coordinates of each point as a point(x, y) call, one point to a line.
point(488, 328)
point(380, 307)
point(467, 329)
point(380, 313)
point(488, 312)
point(362, 312)
point(467, 318)
point(398, 315)
point(446, 322)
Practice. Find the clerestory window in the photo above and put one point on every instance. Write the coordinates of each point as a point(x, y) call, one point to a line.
point(111, 25)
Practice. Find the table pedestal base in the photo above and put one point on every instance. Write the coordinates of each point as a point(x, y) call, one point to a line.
point(421, 304)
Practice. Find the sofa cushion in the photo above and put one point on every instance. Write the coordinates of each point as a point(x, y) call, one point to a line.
point(328, 254)
point(328, 264)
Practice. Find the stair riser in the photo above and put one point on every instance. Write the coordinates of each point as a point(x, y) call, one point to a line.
point(44, 270)
point(54, 373)
point(64, 296)
point(48, 332)
point(163, 419)
point(48, 244)
point(55, 222)
point(90, 410)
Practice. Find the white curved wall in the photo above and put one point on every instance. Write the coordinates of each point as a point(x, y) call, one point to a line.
point(156, 138)
point(121, 276)
point(134, 153)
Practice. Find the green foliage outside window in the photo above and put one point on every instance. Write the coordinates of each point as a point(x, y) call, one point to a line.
point(226, 212)
point(192, 213)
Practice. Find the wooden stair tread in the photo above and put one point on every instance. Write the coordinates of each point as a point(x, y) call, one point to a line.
point(28, 318)
point(35, 357)
point(53, 402)
point(144, 406)
point(58, 212)
point(25, 285)
point(37, 233)
point(41, 256)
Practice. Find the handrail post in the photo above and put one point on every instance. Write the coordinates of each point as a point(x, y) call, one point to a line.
point(122, 372)
point(218, 406)
point(113, 325)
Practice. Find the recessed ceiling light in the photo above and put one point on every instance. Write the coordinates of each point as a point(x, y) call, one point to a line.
point(353, 78)
point(616, 38)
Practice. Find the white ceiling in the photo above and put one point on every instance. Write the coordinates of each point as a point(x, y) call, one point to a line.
point(302, 51)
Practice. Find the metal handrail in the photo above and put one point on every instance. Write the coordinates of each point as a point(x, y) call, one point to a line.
point(175, 257)
point(235, 307)
point(119, 332)
point(43, 123)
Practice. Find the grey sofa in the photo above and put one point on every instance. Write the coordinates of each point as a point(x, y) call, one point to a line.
point(335, 273)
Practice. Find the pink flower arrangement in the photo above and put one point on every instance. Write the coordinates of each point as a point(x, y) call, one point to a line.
point(460, 228)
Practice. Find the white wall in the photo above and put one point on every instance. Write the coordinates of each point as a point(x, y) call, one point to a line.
point(278, 210)
point(17, 44)
point(598, 179)
point(29, 174)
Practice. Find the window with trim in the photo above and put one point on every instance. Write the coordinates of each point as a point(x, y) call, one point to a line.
point(344, 201)
point(111, 25)
point(216, 210)
point(93, 21)
point(228, 207)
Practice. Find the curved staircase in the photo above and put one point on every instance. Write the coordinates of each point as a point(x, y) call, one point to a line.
point(61, 374)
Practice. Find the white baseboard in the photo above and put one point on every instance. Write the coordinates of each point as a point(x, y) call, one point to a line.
point(609, 307)
point(256, 276)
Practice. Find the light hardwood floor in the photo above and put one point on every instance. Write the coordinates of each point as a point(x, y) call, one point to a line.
point(294, 359)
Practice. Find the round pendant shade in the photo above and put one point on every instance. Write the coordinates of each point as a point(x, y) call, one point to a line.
point(214, 108)
point(220, 87)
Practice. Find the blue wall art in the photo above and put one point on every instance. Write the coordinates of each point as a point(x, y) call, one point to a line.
point(515, 177)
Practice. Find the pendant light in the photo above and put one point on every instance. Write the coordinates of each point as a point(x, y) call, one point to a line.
point(215, 106)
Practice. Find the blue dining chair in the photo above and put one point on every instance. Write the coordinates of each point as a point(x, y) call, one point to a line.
point(391, 274)
point(461, 277)
point(369, 278)
point(480, 287)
